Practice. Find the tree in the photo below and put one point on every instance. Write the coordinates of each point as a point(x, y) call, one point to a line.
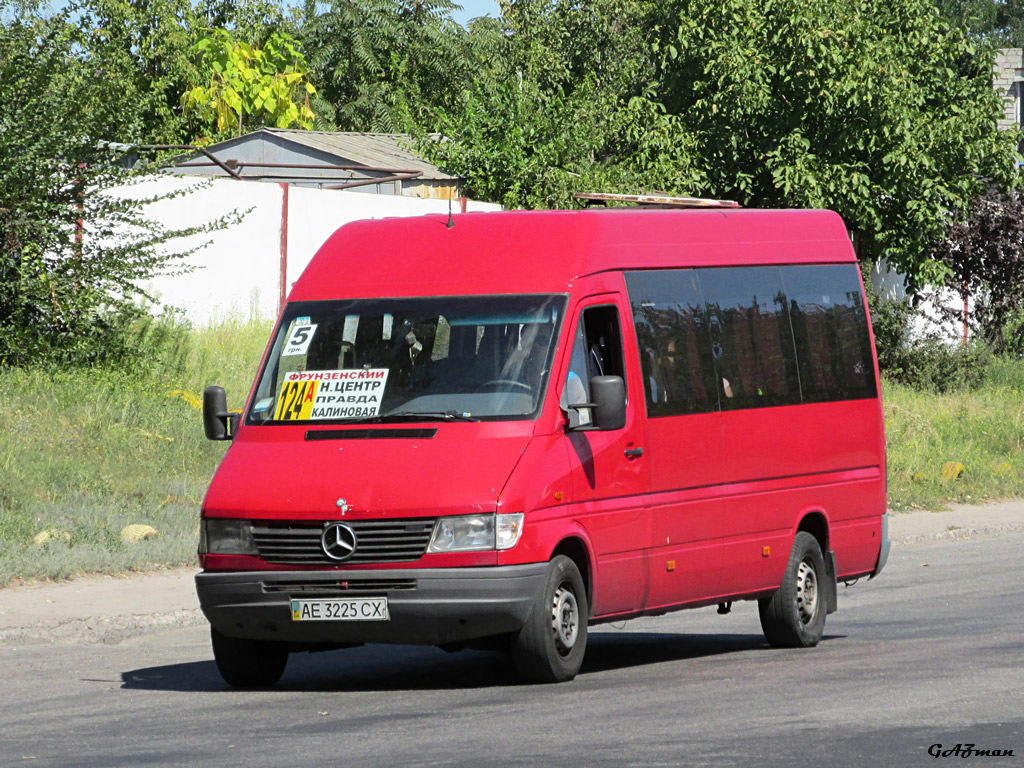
point(148, 47)
point(384, 65)
point(879, 110)
point(1000, 22)
point(144, 47)
point(882, 111)
point(71, 254)
point(984, 251)
point(249, 84)
point(564, 101)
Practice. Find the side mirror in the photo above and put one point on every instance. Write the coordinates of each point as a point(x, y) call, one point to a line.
point(607, 409)
point(609, 396)
point(218, 423)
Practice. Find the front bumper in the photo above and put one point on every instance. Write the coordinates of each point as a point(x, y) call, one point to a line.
point(427, 606)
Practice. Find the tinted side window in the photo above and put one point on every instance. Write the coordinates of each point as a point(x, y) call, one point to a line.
point(751, 337)
point(831, 332)
point(672, 336)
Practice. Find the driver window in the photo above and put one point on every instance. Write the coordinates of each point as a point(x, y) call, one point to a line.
point(596, 351)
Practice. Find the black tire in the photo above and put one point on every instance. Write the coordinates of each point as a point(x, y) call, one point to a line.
point(794, 617)
point(550, 646)
point(248, 663)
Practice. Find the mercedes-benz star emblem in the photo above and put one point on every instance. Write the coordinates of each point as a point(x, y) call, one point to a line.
point(338, 541)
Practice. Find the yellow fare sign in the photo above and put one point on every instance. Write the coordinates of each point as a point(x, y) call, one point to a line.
point(296, 400)
point(319, 395)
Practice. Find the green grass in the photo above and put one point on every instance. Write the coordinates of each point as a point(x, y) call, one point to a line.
point(89, 452)
point(983, 430)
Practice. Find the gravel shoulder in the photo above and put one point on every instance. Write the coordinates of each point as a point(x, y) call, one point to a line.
point(98, 609)
point(111, 609)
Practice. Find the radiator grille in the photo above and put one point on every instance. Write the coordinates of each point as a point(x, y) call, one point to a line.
point(377, 541)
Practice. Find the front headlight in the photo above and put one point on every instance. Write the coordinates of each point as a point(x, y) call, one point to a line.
point(226, 537)
point(476, 533)
point(471, 533)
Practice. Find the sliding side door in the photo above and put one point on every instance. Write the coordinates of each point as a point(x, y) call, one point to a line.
point(684, 434)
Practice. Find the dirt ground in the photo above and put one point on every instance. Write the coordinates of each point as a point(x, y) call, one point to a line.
point(109, 609)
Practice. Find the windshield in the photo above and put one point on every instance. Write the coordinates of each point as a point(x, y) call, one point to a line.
point(371, 360)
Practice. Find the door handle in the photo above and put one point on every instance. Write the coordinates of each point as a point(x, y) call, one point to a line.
point(632, 453)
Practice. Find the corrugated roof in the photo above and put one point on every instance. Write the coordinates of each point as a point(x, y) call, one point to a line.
point(376, 150)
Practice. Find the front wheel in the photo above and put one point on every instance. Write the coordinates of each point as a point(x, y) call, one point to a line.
point(550, 646)
point(794, 617)
point(248, 663)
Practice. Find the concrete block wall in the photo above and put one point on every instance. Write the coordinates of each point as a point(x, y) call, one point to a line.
point(1006, 71)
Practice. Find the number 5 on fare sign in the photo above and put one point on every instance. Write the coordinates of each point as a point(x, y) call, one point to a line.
point(299, 340)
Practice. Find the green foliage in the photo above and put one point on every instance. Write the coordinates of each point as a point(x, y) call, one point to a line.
point(266, 85)
point(384, 65)
point(932, 365)
point(146, 47)
point(513, 146)
point(1013, 334)
point(984, 253)
point(983, 429)
point(565, 101)
point(1000, 22)
point(891, 323)
point(881, 111)
point(74, 238)
point(89, 451)
point(923, 361)
point(140, 47)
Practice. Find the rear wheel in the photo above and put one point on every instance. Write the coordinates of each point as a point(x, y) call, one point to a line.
point(794, 617)
point(550, 646)
point(248, 663)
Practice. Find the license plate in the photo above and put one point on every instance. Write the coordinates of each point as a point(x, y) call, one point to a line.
point(351, 609)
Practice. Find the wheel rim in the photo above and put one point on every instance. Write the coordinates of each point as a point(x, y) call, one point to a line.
point(806, 591)
point(565, 619)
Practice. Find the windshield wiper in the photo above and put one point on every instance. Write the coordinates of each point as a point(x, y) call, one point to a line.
point(425, 416)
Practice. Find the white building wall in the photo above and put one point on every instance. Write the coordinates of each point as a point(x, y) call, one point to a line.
point(237, 271)
point(887, 281)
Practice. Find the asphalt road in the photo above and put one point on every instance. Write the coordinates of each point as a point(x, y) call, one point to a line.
point(931, 652)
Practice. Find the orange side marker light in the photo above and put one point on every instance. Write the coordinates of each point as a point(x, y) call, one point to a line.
point(670, 565)
point(765, 551)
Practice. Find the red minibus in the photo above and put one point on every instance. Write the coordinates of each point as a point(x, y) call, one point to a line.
point(498, 430)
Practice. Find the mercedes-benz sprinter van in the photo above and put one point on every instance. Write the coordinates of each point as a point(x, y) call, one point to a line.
point(501, 432)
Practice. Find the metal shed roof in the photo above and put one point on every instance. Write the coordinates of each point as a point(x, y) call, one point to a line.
point(381, 150)
point(378, 163)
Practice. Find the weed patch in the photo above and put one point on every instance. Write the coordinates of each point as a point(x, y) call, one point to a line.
point(928, 434)
point(87, 452)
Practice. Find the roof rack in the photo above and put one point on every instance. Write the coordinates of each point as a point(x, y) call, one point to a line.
point(654, 200)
